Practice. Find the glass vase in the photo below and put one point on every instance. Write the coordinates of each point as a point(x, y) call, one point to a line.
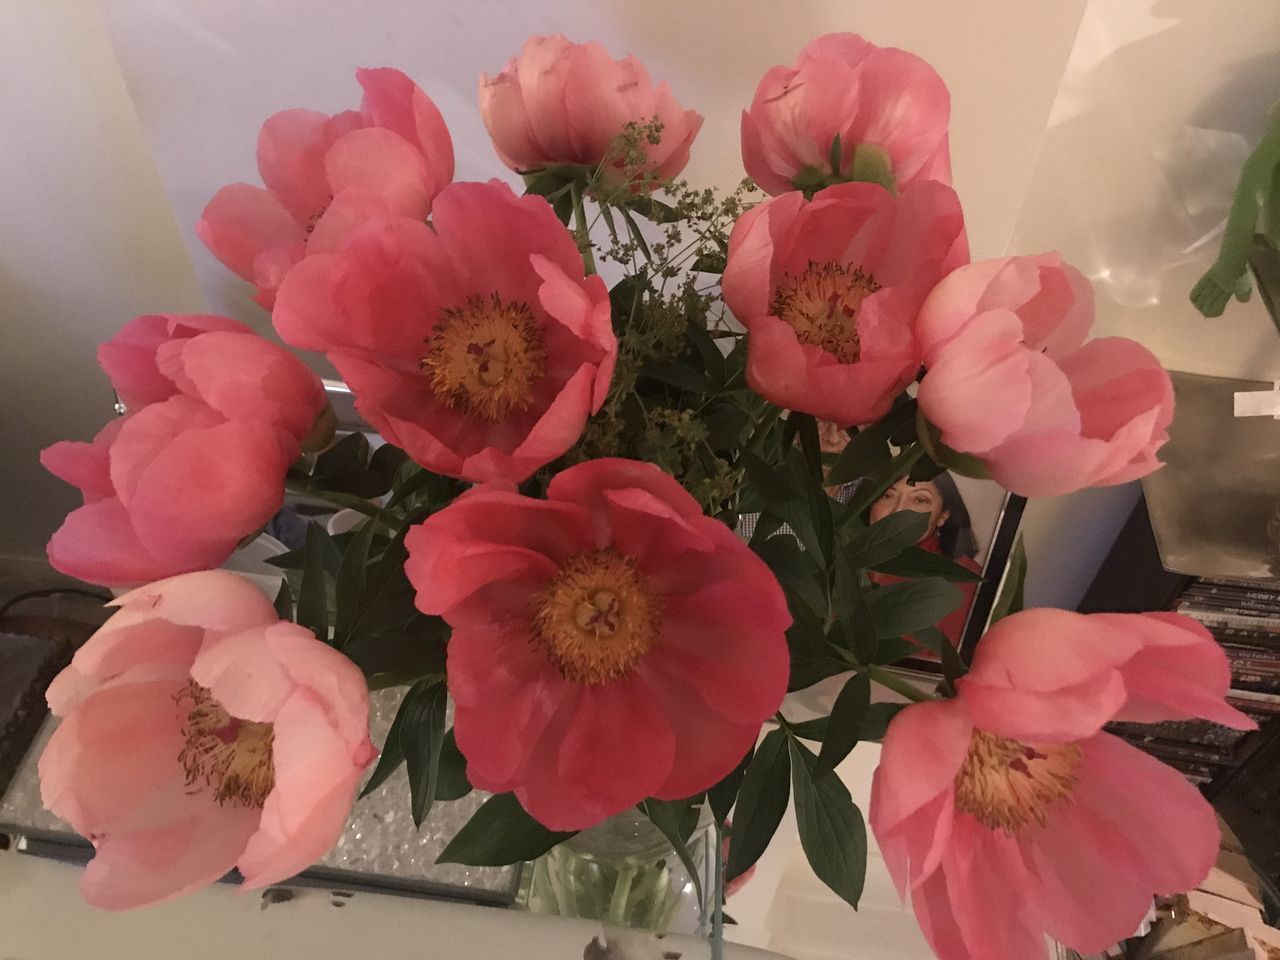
point(624, 872)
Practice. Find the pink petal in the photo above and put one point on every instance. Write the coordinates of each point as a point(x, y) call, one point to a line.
point(304, 314)
point(147, 867)
point(394, 101)
point(923, 750)
point(234, 470)
point(748, 280)
point(586, 484)
point(350, 210)
point(542, 68)
point(291, 151)
point(145, 435)
point(381, 162)
point(977, 392)
point(211, 599)
point(83, 465)
point(1179, 673)
point(334, 679)
point(240, 673)
point(243, 221)
point(1137, 793)
point(97, 544)
point(315, 786)
point(505, 117)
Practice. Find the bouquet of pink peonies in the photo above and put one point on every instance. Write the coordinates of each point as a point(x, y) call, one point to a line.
point(583, 388)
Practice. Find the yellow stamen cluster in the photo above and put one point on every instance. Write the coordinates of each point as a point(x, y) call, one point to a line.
point(485, 357)
point(822, 305)
point(222, 752)
point(1008, 785)
point(597, 617)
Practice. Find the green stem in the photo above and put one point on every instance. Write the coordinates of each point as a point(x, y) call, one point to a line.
point(717, 895)
point(887, 678)
point(621, 891)
point(583, 231)
point(345, 500)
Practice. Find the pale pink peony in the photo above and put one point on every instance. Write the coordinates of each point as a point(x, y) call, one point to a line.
point(828, 290)
point(326, 175)
point(610, 643)
point(477, 344)
point(201, 733)
point(560, 102)
point(1008, 815)
point(217, 415)
point(874, 98)
point(1012, 382)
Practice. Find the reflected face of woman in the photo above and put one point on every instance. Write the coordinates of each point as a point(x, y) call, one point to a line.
point(921, 497)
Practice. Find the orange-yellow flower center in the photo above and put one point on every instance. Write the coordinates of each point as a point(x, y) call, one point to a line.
point(232, 757)
point(485, 356)
point(1007, 785)
point(597, 617)
point(822, 305)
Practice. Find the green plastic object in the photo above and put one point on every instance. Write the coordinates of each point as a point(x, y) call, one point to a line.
point(1252, 237)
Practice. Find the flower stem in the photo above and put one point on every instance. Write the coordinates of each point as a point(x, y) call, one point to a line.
point(887, 678)
point(583, 231)
point(621, 891)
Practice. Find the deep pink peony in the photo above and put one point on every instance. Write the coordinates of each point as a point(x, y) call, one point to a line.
point(201, 733)
point(1008, 815)
point(828, 290)
point(325, 175)
point(878, 99)
point(217, 414)
point(610, 643)
point(477, 344)
point(560, 102)
point(1012, 382)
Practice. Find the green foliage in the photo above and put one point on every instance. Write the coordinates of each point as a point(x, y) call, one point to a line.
point(762, 800)
point(499, 834)
point(832, 831)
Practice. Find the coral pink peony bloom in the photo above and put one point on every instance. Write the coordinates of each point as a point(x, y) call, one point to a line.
point(610, 643)
point(200, 733)
point(877, 99)
point(1009, 816)
point(217, 415)
point(829, 288)
point(559, 102)
point(325, 175)
point(477, 344)
point(1010, 382)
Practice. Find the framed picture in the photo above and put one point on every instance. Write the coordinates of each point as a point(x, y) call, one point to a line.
point(974, 523)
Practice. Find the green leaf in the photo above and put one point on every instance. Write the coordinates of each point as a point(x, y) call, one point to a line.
point(284, 601)
point(914, 563)
point(964, 464)
point(834, 157)
point(452, 783)
point(762, 801)
point(313, 596)
point(499, 834)
point(952, 666)
point(910, 606)
point(677, 820)
point(894, 649)
point(886, 538)
point(725, 793)
point(678, 375)
point(795, 570)
point(1012, 589)
point(709, 263)
point(847, 714)
point(421, 737)
point(352, 579)
point(712, 359)
point(765, 481)
point(392, 755)
point(872, 488)
point(833, 834)
point(868, 451)
point(654, 210)
point(725, 426)
point(874, 723)
point(636, 234)
point(810, 445)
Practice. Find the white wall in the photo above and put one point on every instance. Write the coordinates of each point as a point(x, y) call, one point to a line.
point(87, 241)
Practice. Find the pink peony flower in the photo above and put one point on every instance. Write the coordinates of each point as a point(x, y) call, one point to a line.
point(610, 643)
point(200, 733)
point(828, 290)
point(1009, 381)
point(477, 344)
point(559, 102)
point(880, 100)
point(217, 415)
point(1008, 815)
point(325, 175)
